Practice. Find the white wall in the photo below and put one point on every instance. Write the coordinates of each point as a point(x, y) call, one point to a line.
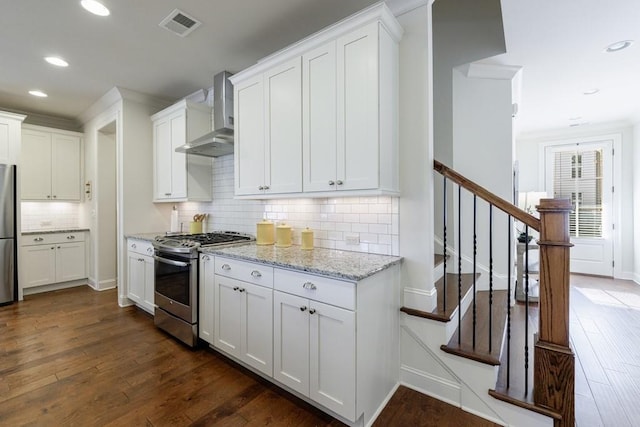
point(636, 201)
point(528, 154)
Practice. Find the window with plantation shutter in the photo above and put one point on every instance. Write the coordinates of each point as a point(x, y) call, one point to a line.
point(577, 175)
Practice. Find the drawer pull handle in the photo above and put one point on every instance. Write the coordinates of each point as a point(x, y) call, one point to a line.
point(303, 308)
point(149, 250)
point(256, 273)
point(312, 311)
point(309, 285)
point(226, 267)
point(206, 258)
point(235, 288)
point(38, 239)
point(332, 183)
point(242, 289)
point(339, 182)
point(139, 259)
point(133, 245)
point(71, 237)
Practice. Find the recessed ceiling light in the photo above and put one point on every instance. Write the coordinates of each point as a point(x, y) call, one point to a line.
point(618, 46)
point(95, 7)
point(58, 62)
point(592, 91)
point(38, 93)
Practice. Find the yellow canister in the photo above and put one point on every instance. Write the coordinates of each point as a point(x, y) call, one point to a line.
point(265, 234)
point(195, 227)
point(283, 235)
point(307, 239)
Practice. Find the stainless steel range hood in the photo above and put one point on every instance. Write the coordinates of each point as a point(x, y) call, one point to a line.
point(218, 142)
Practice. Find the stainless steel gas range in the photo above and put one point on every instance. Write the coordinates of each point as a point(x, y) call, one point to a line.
point(176, 279)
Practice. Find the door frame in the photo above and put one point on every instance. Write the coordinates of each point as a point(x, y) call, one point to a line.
point(616, 165)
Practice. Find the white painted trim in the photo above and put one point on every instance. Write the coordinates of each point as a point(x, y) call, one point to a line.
point(384, 403)
point(400, 7)
point(376, 12)
point(422, 382)
point(477, 70)
point(420, 299)
point(54, 287)
point(124, 301)
point(616, 215)
point(12, 116)
point(104, 285)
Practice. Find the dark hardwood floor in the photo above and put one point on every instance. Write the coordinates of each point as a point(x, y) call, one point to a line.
point(73, 357)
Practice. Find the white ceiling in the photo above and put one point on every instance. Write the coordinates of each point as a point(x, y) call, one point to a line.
point(558, 42)
point(560, 45)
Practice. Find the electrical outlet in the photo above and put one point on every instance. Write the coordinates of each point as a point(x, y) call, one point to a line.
point(352, 239)
point(45, 223)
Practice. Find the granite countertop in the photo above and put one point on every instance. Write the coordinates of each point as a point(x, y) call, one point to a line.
point(149, 237)
point(54, 230)
point(327, 262)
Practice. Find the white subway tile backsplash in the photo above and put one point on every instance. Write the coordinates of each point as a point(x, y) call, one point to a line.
point(372, 219)
point(49, 215)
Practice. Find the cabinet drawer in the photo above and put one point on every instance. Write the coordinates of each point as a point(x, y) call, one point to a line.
point(258, 274)
point(141, 247)
point(323, 289)
point(49, 238)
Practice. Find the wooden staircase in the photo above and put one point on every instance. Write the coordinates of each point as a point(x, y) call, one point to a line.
point(529, 363)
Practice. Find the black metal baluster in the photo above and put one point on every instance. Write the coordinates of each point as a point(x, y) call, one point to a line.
point(475, 253)
point(490, 275)
point(526, 312)
point(509, 243)
point(459, 264)
point(444, 244)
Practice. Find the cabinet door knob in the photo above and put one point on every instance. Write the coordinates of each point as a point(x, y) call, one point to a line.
point(235, 288)
point(266, 187)
point(206, 258)
point(48, 196)
point(71, 237)
point(139, 259)
point(261, 188)
point(309, 285)
point(133, 245)
point(312, 311)
point(242, 289)
point(339, 182)
point(256, 273)
point(55, 197)
point(53, 247)
point(58, 247)
point(226, 267)
point(332, 183)
point(150, 250)
point(38, 239)
point(303, 308)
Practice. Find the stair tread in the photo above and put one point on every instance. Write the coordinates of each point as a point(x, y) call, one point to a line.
point(481, 351)
point(441, 313)
point(438, 259)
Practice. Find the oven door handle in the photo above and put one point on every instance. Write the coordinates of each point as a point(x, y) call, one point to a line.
point(170, 261)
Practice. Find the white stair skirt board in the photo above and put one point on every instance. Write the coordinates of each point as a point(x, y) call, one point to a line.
point(456, 380)
point(420, 299)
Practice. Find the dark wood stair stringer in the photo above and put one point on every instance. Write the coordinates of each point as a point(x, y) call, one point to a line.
point(481, 351)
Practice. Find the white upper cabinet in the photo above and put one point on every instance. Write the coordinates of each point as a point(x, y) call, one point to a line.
point(179, 176)
point(348, 113)
point(269, 132)
point(10, 134)
point(50, 165)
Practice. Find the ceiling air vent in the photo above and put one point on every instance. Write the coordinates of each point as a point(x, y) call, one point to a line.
point(180, 23)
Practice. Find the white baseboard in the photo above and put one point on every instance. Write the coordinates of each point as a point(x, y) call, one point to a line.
point(636, 278)
point(420, 299)
point(54, 287)
point(430, 385)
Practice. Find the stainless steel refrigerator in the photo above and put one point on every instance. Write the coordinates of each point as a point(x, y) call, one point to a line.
point(8, 276)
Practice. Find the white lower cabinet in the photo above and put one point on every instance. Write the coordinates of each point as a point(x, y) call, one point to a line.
point(315, 351)
point(141, 270)
point(243, 314)
point(52, 258)
point(320, 337)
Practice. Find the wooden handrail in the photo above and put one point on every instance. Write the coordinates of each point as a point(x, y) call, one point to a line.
point(487, 196)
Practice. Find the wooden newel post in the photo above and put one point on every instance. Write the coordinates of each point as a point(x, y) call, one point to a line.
point(554, 365)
